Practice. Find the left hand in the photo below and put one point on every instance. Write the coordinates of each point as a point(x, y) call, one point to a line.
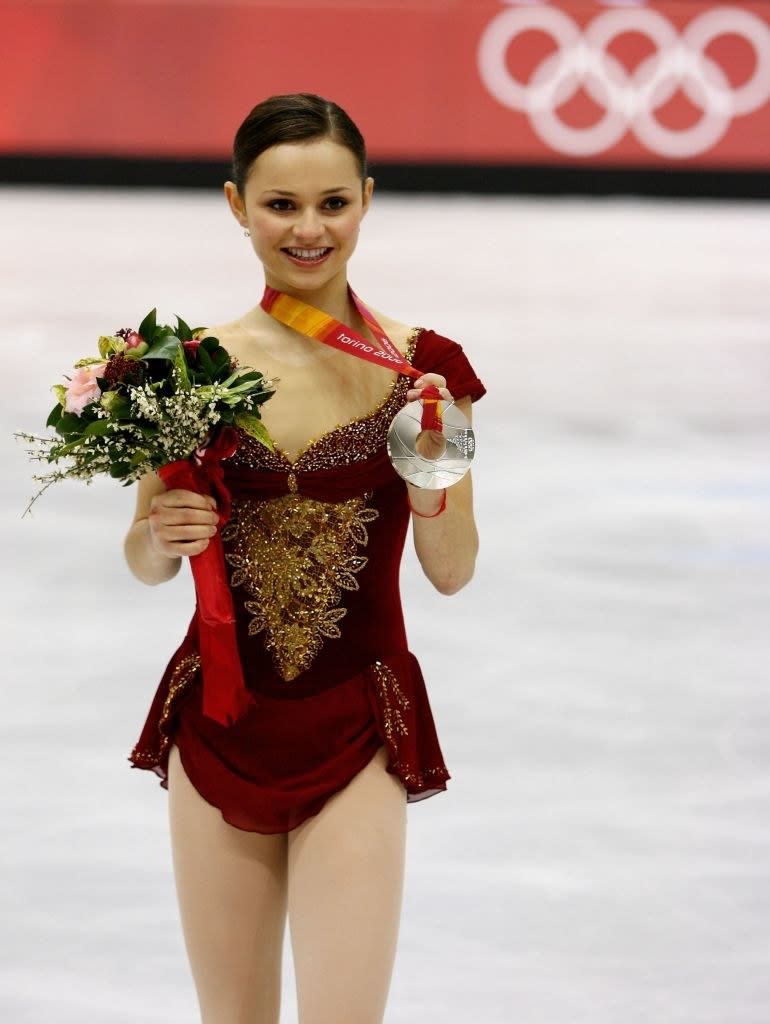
point(430, 444)
point(425, 381)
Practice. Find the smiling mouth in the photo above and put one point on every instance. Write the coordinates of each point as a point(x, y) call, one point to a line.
point(308, 255)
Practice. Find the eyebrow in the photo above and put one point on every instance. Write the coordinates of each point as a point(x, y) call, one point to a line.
point(326, 192)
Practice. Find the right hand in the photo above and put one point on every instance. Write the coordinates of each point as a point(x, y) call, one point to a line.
point(430, 444)
point(182, 522)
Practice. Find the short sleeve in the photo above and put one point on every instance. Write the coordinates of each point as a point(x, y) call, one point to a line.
point(436, 354)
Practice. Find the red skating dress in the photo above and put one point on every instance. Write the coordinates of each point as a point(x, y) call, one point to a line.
point(313, 551)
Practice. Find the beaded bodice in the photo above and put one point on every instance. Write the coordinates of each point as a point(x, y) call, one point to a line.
point(347, 443)
point(298, 540)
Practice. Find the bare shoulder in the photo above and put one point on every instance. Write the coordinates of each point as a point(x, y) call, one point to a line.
point(398, 333)
point(225, 332)
point(234, 335)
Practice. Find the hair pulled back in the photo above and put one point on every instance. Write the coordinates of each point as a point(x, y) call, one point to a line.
point(295, 117)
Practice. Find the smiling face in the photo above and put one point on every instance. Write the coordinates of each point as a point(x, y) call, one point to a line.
point(303, 204)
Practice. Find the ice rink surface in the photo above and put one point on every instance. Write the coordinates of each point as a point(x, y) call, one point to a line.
point(602, 854)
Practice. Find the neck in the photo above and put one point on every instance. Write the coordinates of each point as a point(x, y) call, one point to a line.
point(332, 298)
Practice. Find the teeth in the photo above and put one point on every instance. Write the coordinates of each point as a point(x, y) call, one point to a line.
point(307, 254)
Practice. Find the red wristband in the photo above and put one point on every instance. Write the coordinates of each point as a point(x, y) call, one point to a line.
point(432, 515)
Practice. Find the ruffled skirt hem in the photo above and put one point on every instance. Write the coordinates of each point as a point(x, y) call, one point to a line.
point(278, 765)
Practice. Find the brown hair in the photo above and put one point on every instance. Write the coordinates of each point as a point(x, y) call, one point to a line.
point(295, 117)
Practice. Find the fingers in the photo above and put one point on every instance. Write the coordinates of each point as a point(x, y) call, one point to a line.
point(415, 393)
point(425, 381)
point(181, 549)
point(182, 522)
point(179, 498)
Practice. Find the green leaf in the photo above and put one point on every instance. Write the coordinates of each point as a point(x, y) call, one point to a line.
point(116, 404)
point(69, 423)
point(165, 348)
point(209, 344)
point(206, 364)
point(98, 428)
point(180, 363)
point(64, 449)
point(262, 397)
point(253, 425)
point(120, 469)
point(147, 326)
point(221, 361)
point(183, 332)
point(56, 414)
point(108, 344)
point(91, 360)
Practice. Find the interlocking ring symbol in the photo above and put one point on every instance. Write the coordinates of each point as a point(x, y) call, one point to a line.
point(629, 99)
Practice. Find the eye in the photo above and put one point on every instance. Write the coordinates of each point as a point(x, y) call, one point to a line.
point(280, 205)
point(336, 203)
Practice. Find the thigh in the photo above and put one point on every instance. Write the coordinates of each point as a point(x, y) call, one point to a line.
point(346, 874)
point(231, 887)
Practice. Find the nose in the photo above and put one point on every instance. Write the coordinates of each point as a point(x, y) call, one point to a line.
point(308, 225)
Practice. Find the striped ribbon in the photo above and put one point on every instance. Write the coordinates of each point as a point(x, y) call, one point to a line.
point(314, 323)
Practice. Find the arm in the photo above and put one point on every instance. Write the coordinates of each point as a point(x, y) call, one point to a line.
point(167, 526)
point(447, 544)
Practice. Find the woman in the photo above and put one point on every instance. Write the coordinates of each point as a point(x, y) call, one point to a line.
point(300, 805)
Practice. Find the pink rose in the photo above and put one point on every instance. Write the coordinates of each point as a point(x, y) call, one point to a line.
point(133, 339)
point(82, 389)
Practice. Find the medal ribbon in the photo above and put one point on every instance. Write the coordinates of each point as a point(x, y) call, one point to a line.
point(314, 323)
point(225, 697)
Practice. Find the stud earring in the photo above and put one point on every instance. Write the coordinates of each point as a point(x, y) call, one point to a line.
point(247, 233)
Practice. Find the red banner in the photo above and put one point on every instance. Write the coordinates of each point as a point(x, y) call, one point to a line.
point(682, 83)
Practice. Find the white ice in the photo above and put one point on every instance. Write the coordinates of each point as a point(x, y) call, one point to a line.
point(602, 854)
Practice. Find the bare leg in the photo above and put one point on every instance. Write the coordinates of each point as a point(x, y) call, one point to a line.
point(232, 895)
point(346, 873)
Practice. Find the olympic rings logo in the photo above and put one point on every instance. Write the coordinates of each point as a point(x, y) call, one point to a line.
point(629, 99)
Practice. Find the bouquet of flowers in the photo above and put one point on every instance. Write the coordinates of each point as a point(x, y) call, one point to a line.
point(162, 398)
point(152, 397)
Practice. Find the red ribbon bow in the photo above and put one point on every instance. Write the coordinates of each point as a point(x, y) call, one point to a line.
point(431, 409)
point(225, 697)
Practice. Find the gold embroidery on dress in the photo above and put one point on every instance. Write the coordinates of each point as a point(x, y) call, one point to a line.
point(183, 674)
point(393, 701)
point(295, 556)
point(387, 684)
point(422, 781)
